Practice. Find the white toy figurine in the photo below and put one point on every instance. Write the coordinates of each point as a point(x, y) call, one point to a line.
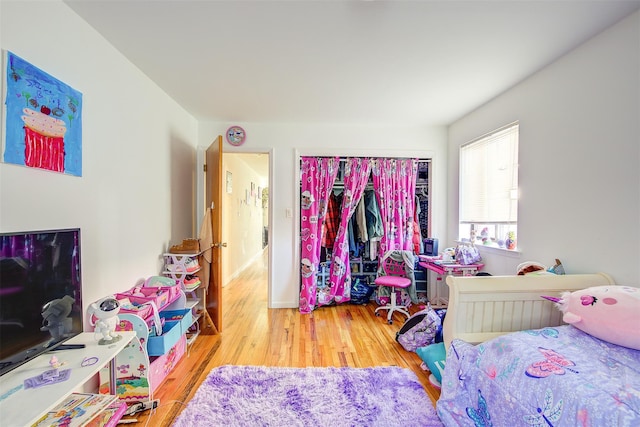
point(106, 312)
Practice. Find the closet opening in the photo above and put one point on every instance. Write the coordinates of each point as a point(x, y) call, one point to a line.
point(335, 208)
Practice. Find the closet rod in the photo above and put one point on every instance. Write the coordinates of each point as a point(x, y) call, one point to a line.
point(369, 186)
point(340, 185)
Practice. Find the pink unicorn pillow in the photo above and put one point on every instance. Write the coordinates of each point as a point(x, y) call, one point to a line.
point(611, 313)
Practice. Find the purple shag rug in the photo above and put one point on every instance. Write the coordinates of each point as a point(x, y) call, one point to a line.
point(264, 396)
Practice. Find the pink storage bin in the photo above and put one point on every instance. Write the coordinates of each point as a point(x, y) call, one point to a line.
point(161, 366)
point(159, 282)
point(163, 284)
point(127, 306)
point(158, 296)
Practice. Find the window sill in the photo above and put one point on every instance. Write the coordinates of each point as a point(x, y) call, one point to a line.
point(509, 253)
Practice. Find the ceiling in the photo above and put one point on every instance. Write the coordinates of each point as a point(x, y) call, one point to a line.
point(415, 63)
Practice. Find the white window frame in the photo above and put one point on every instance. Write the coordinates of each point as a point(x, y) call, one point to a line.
point(488, 189)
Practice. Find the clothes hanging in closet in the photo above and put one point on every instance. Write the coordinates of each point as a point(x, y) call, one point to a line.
point(361, 221)
point(375, 229)
point(422, 204)
point(331, 220)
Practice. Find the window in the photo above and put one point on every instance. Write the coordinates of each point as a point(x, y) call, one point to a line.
point(489, 188)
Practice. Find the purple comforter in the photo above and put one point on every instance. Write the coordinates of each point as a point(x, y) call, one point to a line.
point(557, 376)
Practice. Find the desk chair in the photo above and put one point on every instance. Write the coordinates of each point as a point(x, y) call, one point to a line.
point(395, 277)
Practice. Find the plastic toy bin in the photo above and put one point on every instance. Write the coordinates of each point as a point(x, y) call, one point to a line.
point(160, 296)
point(175, 325)
point(183, 317)
point(127, 306)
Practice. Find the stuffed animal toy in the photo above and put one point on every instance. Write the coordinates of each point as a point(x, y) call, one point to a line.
point(611, 313)
point(531, 267)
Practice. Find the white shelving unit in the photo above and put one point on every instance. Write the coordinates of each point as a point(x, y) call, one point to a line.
point(23, 407)
point(194, 331)
point(179, 267)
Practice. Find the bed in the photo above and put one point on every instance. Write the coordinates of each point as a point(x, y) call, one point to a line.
point(512, 362)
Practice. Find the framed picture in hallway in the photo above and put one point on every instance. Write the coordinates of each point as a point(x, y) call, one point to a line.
point(229, 182)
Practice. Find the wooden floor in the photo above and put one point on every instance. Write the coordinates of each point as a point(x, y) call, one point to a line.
point(345, 335)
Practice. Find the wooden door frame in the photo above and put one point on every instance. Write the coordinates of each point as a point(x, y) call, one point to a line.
point(213, 186)
point(331, 152)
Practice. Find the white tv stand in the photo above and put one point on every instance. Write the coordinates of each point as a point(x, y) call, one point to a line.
point(20, 407)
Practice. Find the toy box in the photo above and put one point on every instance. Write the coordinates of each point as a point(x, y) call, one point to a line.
point(161, 366)
point(183, 317)
point(160, 296)
point(175, 326)
point(144, 310)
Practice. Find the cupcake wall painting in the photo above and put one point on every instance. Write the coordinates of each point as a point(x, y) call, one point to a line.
point(43, 126)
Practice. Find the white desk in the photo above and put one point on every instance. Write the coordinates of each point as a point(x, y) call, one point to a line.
point(20, 407)
point(442, 270)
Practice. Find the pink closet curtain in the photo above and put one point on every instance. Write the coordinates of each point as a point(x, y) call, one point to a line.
point(318, 175)
point(394, 182)
point(356, 175)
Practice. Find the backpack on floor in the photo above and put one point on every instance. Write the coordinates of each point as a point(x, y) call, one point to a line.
point(441, 312)
point(360, 291)
point(419, 330)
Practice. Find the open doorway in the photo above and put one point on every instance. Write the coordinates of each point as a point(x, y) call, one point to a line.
point(245, 211)
point(243, 188)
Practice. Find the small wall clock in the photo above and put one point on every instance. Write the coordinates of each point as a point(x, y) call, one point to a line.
point(236, 135)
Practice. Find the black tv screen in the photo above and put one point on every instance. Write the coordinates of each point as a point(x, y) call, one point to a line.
point(40, 293)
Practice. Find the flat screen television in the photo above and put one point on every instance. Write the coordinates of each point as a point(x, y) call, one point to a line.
point(40, 293)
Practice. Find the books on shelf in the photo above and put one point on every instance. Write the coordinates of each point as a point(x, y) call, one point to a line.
point(110, 416)
point(80, 409)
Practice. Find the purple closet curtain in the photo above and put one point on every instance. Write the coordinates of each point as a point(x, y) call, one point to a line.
point(356, 175)
point(394, 182)
point(318, 175)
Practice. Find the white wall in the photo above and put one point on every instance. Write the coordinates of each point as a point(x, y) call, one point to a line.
point(241, 221)
point(578, 171)
point(136, 195)
point(579, 158)
point(286, 143)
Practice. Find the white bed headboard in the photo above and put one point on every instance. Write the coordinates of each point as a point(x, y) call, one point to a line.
point(484, 307)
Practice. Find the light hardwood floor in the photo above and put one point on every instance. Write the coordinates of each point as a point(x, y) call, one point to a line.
point(346, 335)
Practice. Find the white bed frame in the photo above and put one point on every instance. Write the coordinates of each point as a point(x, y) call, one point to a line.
point(484, 307)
